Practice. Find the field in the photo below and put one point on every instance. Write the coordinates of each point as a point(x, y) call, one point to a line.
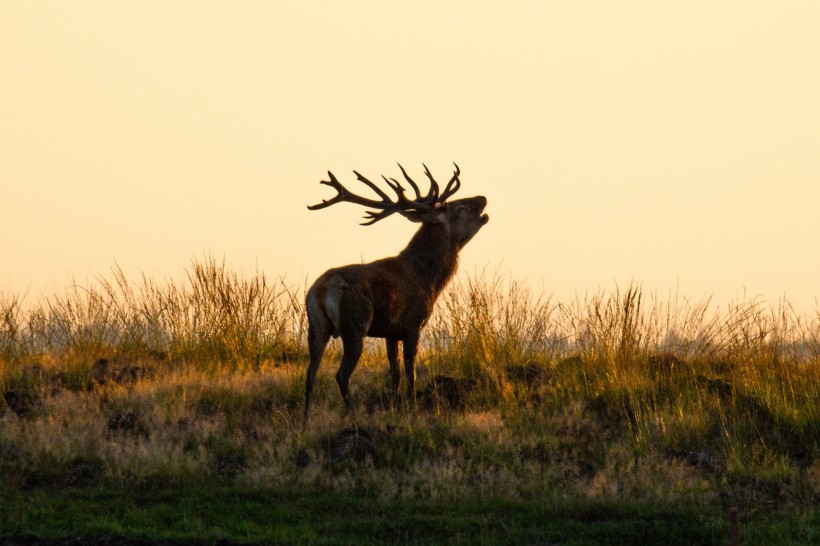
point(139, 412)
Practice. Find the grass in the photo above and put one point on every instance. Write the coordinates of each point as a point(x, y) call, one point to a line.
point(172, 412)
point(277, 517)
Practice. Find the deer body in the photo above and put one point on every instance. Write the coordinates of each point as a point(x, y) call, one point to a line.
point(391, 298)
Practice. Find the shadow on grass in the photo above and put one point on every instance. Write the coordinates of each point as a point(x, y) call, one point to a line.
point(231, 516)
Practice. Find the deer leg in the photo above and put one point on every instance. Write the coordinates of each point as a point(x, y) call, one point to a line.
point(393, 358)
point(409, 347)
point(353, 346)
point(318, 335)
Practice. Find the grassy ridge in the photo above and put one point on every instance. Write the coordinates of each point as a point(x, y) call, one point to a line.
point(615, 404)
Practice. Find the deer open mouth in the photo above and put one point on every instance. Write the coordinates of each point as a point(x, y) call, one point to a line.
point(484, 217)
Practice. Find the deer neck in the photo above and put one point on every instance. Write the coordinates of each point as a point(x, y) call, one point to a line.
point(432, 255)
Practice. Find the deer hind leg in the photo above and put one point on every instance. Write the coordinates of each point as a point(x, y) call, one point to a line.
point(356, 313)
point(353, 346)
point(319, 331)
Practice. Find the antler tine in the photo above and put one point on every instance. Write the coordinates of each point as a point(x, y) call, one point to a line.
point(409, 181)
point(335, 184)
point(396, 187)
point(433, 193)
point(452, 186)
point(344, 195)
point(373, 186)
point(373, 217)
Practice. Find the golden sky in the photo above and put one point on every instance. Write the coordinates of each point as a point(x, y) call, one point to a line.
point(676, 144)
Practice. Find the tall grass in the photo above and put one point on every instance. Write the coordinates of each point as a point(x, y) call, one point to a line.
point(615, 393)
point(214, 315)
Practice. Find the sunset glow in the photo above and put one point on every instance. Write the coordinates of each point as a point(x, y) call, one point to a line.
point(670, 144)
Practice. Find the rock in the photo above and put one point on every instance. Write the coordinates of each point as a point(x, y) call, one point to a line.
point(99, 371)
point(302, 458)
point(105, 371)
point(532, 374)
point(662, 366)
point(447, 391)
point(32, 373)
point(22, 402)
point(353, 444)
point(129, 422)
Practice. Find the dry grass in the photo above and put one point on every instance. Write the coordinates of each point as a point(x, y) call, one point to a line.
point(611, 395)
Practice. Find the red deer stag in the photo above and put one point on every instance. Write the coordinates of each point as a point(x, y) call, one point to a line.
point(390, 298)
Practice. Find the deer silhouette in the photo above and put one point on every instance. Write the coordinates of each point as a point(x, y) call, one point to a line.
point(391, 298)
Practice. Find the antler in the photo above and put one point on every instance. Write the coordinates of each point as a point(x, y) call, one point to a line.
point(402, 204)
point(452, 186)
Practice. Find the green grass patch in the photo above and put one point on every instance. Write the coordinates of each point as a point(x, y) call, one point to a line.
point(228, 515)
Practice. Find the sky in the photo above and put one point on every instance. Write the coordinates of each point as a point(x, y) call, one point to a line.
point(669, 144)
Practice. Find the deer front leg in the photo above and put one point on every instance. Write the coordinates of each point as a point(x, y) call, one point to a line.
point(393, 358)
point(409, 347)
